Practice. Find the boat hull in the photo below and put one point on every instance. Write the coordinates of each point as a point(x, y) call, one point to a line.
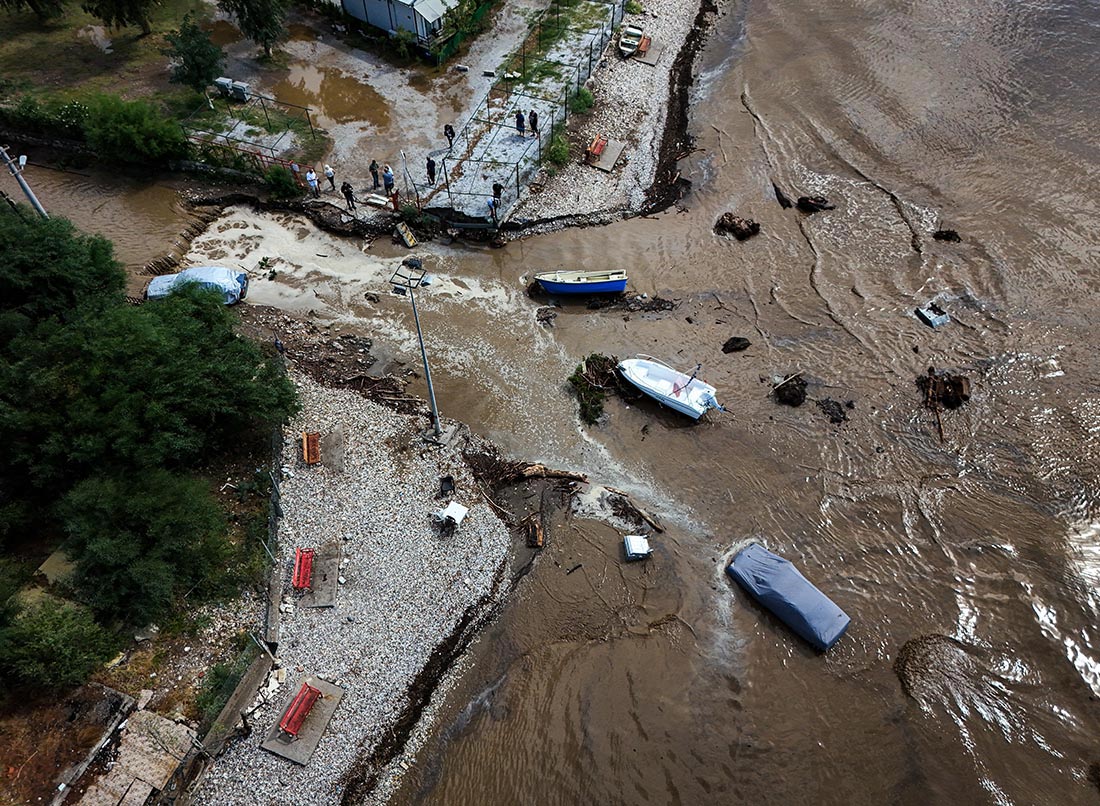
point(674, 389)
point(583, 282)
point(604, 287)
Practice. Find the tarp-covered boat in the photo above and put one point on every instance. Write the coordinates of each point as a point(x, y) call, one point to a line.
point(776, 584)
point(677, 390)
point(583, 282)
point(231, 283)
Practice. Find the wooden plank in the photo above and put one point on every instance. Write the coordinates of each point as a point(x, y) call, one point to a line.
point(311, 447)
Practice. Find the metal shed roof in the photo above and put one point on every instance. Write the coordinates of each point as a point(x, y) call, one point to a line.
point(430, 10)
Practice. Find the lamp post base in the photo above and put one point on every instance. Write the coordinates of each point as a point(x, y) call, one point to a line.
point(441, 440)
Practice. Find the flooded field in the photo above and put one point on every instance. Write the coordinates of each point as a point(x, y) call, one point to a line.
point(972, 668)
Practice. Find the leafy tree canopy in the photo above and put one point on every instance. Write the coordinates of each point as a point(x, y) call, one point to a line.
point(142, 541)
point(120, 13)
point(43, 9)
point(198, 61)
point(49, 270)
point(157, 385)
point(262, 21)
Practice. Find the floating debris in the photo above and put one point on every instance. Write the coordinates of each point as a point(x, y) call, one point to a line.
point(835, 410)
point(791, 391)
point(591, 381)
point(944, 389)
point(739, 228)
point(781, 197)
point(948, 235)
point(814, 204)
point(736, 344)
point(933, 315)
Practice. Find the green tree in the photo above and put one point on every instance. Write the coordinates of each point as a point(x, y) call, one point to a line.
point(43, 9)
point(133, 131)
point(198, 61)
point(141, 541)
point(262, 21)
point(120, 13)
point(50, 270)
point(52, 646)
point(134, 388)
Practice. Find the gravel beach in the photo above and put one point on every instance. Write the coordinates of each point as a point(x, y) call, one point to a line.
point(404, 588)
point(631, 105)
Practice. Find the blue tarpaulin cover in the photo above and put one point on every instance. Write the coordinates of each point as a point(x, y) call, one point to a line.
point(794, 600)
point(232, 284)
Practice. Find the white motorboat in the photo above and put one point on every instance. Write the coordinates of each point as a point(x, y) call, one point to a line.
point(677, 390)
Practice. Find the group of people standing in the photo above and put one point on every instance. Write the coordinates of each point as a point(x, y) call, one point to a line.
point(383, 177)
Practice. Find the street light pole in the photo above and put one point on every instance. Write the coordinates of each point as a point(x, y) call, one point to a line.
point(17, 171)
point(408, 277)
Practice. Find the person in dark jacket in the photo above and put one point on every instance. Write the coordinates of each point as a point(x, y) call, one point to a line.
point(431, 171)
point(449, 133)
point(520, 122)
point(374, 174)
point(533, 122)
point(498, 191)
point(349, 195)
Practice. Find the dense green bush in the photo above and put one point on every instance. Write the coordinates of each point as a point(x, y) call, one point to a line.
point(280, 184)
point(133, 131)
point(558, 152)
point(633, 7)
point(197, 60)
point(52, 646)
point(159, 385)
point(582, 101)
point(140, 542)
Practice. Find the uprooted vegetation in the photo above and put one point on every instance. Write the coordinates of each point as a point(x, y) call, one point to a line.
point(593, 379)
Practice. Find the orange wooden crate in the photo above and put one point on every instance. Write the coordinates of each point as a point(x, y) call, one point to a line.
point(311, 447)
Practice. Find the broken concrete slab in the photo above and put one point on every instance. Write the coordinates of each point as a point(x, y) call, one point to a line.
point(300, 749)
point(606, 160)
point(652, 54)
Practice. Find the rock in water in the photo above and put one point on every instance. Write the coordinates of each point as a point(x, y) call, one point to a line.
point(791, 392)
point(948, 235)
point(814, 204)
point(740, 228)
point(736, 344)
point(781, 197)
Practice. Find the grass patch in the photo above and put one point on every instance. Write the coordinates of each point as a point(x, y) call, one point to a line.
point(633, 7)
point(219, 682)
point(582, 102)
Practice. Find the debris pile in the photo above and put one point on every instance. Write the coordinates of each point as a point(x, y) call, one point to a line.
point(835, 410)
point(739, 228)
point(637, 303)
point(592, 380)
point(791, 391)
point(943, 390)
point(948, 235)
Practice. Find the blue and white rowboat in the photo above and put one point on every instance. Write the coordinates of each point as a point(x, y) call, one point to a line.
point(685, 393)
point(583, 282)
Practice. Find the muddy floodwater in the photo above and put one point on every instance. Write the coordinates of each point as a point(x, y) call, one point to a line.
point(969, 565)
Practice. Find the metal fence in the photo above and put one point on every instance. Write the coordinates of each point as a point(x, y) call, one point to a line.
point(542, 75)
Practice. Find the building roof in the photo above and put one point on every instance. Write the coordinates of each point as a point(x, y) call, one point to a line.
point(430, 10)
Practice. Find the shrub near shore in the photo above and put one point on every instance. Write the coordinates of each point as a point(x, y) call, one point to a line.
point(108, 411)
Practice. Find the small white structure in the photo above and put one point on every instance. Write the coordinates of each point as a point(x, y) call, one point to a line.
point(637, 547)
point(424, 18)
point(451, 515)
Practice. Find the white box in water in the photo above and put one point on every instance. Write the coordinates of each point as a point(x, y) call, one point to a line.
point(452, 514)
point(637, 547)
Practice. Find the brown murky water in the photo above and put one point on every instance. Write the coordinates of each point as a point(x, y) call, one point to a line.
point(661, 683)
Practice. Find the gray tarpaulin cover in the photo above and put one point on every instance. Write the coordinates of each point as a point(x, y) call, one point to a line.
point(779, 586)
point(232, 284)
